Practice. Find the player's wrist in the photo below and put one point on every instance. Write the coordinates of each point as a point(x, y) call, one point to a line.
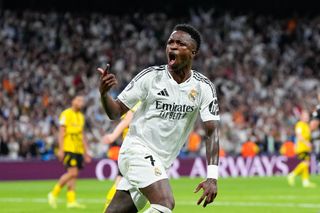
point(103, 94)
point(212, 181)
point(212, 172)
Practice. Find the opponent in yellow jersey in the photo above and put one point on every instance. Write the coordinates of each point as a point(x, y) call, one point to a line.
point(303, 151)
point(72, 151)
point(122, 127)
point(73, 121)
point(303, 134)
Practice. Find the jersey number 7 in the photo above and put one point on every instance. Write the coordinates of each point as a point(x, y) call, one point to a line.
point(151, 159)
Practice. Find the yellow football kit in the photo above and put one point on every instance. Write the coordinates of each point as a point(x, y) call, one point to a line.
point(73, 121)
point(303, 150)
point(303, 145)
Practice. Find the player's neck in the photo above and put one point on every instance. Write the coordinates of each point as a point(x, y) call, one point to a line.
point(181, 75)
point(75, 109)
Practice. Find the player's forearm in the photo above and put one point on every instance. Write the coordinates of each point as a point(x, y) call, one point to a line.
point(61, 137)
point(60, 143)
point(111, 107)
point(212, 143)
point(124, 123)
point(118, 130)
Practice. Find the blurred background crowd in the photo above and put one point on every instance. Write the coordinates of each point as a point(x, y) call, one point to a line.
point(265, 68)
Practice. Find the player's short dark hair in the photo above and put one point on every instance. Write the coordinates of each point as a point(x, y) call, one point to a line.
point(195, 35)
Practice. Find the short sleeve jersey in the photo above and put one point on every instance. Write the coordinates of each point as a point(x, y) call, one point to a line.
point(168, 110)
point(74, 123)
point(303, 129)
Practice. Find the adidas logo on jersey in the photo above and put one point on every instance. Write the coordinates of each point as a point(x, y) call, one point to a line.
point(163, 92)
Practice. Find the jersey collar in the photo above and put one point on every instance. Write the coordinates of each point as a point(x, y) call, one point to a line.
point(173, 81)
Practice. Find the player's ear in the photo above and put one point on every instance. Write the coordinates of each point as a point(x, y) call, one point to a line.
point(194, 53)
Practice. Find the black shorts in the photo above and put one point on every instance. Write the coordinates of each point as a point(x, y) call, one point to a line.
point(304, 156)
point(73, 160)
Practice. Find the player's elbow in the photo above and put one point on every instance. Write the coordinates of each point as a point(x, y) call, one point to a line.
point(211, 126)
point(172, 204)
point(167, 201)
point(114, 115)
point(115, 112)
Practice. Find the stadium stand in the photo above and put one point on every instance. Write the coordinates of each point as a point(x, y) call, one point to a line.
point(265, 68)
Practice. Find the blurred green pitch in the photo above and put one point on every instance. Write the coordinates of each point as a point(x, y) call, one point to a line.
point(240, 195)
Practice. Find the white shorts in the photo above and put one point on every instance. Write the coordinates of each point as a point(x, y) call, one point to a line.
point(140, 168)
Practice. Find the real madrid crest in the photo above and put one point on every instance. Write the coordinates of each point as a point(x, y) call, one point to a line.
point(157, 171)
point(193, 94)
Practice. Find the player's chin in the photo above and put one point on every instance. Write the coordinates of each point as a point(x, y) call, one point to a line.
point(175, 66)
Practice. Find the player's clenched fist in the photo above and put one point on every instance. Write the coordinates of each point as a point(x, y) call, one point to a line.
point(107, 80)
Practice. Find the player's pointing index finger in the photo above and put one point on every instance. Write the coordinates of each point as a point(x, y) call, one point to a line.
point(100, 70)
point(105, 71)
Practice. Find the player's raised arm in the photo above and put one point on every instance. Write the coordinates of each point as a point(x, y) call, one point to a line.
point(113, 108)
point(209, 186)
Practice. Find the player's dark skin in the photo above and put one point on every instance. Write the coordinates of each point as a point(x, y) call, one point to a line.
point(180, 51)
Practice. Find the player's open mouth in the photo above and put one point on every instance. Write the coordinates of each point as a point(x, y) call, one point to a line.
point(172, 58)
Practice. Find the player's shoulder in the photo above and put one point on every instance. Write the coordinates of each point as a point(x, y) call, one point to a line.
point(64, 116)
point(204, 82)
point(150, 71)
point(159, 67)
point(301, 124)
point(201, 78)
point(66, 111)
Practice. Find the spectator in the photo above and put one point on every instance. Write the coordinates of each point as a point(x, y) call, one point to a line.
point(265, 69)
point(194, 143)
point(287, 149)
point(249, 149)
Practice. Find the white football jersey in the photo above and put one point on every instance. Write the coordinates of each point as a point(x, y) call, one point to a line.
point(168, 110)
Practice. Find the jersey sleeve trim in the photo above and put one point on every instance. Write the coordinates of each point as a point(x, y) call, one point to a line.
point(137, 89)
point(205, 80)
point(147, 70)
point(212, 118)
point(123, 100)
